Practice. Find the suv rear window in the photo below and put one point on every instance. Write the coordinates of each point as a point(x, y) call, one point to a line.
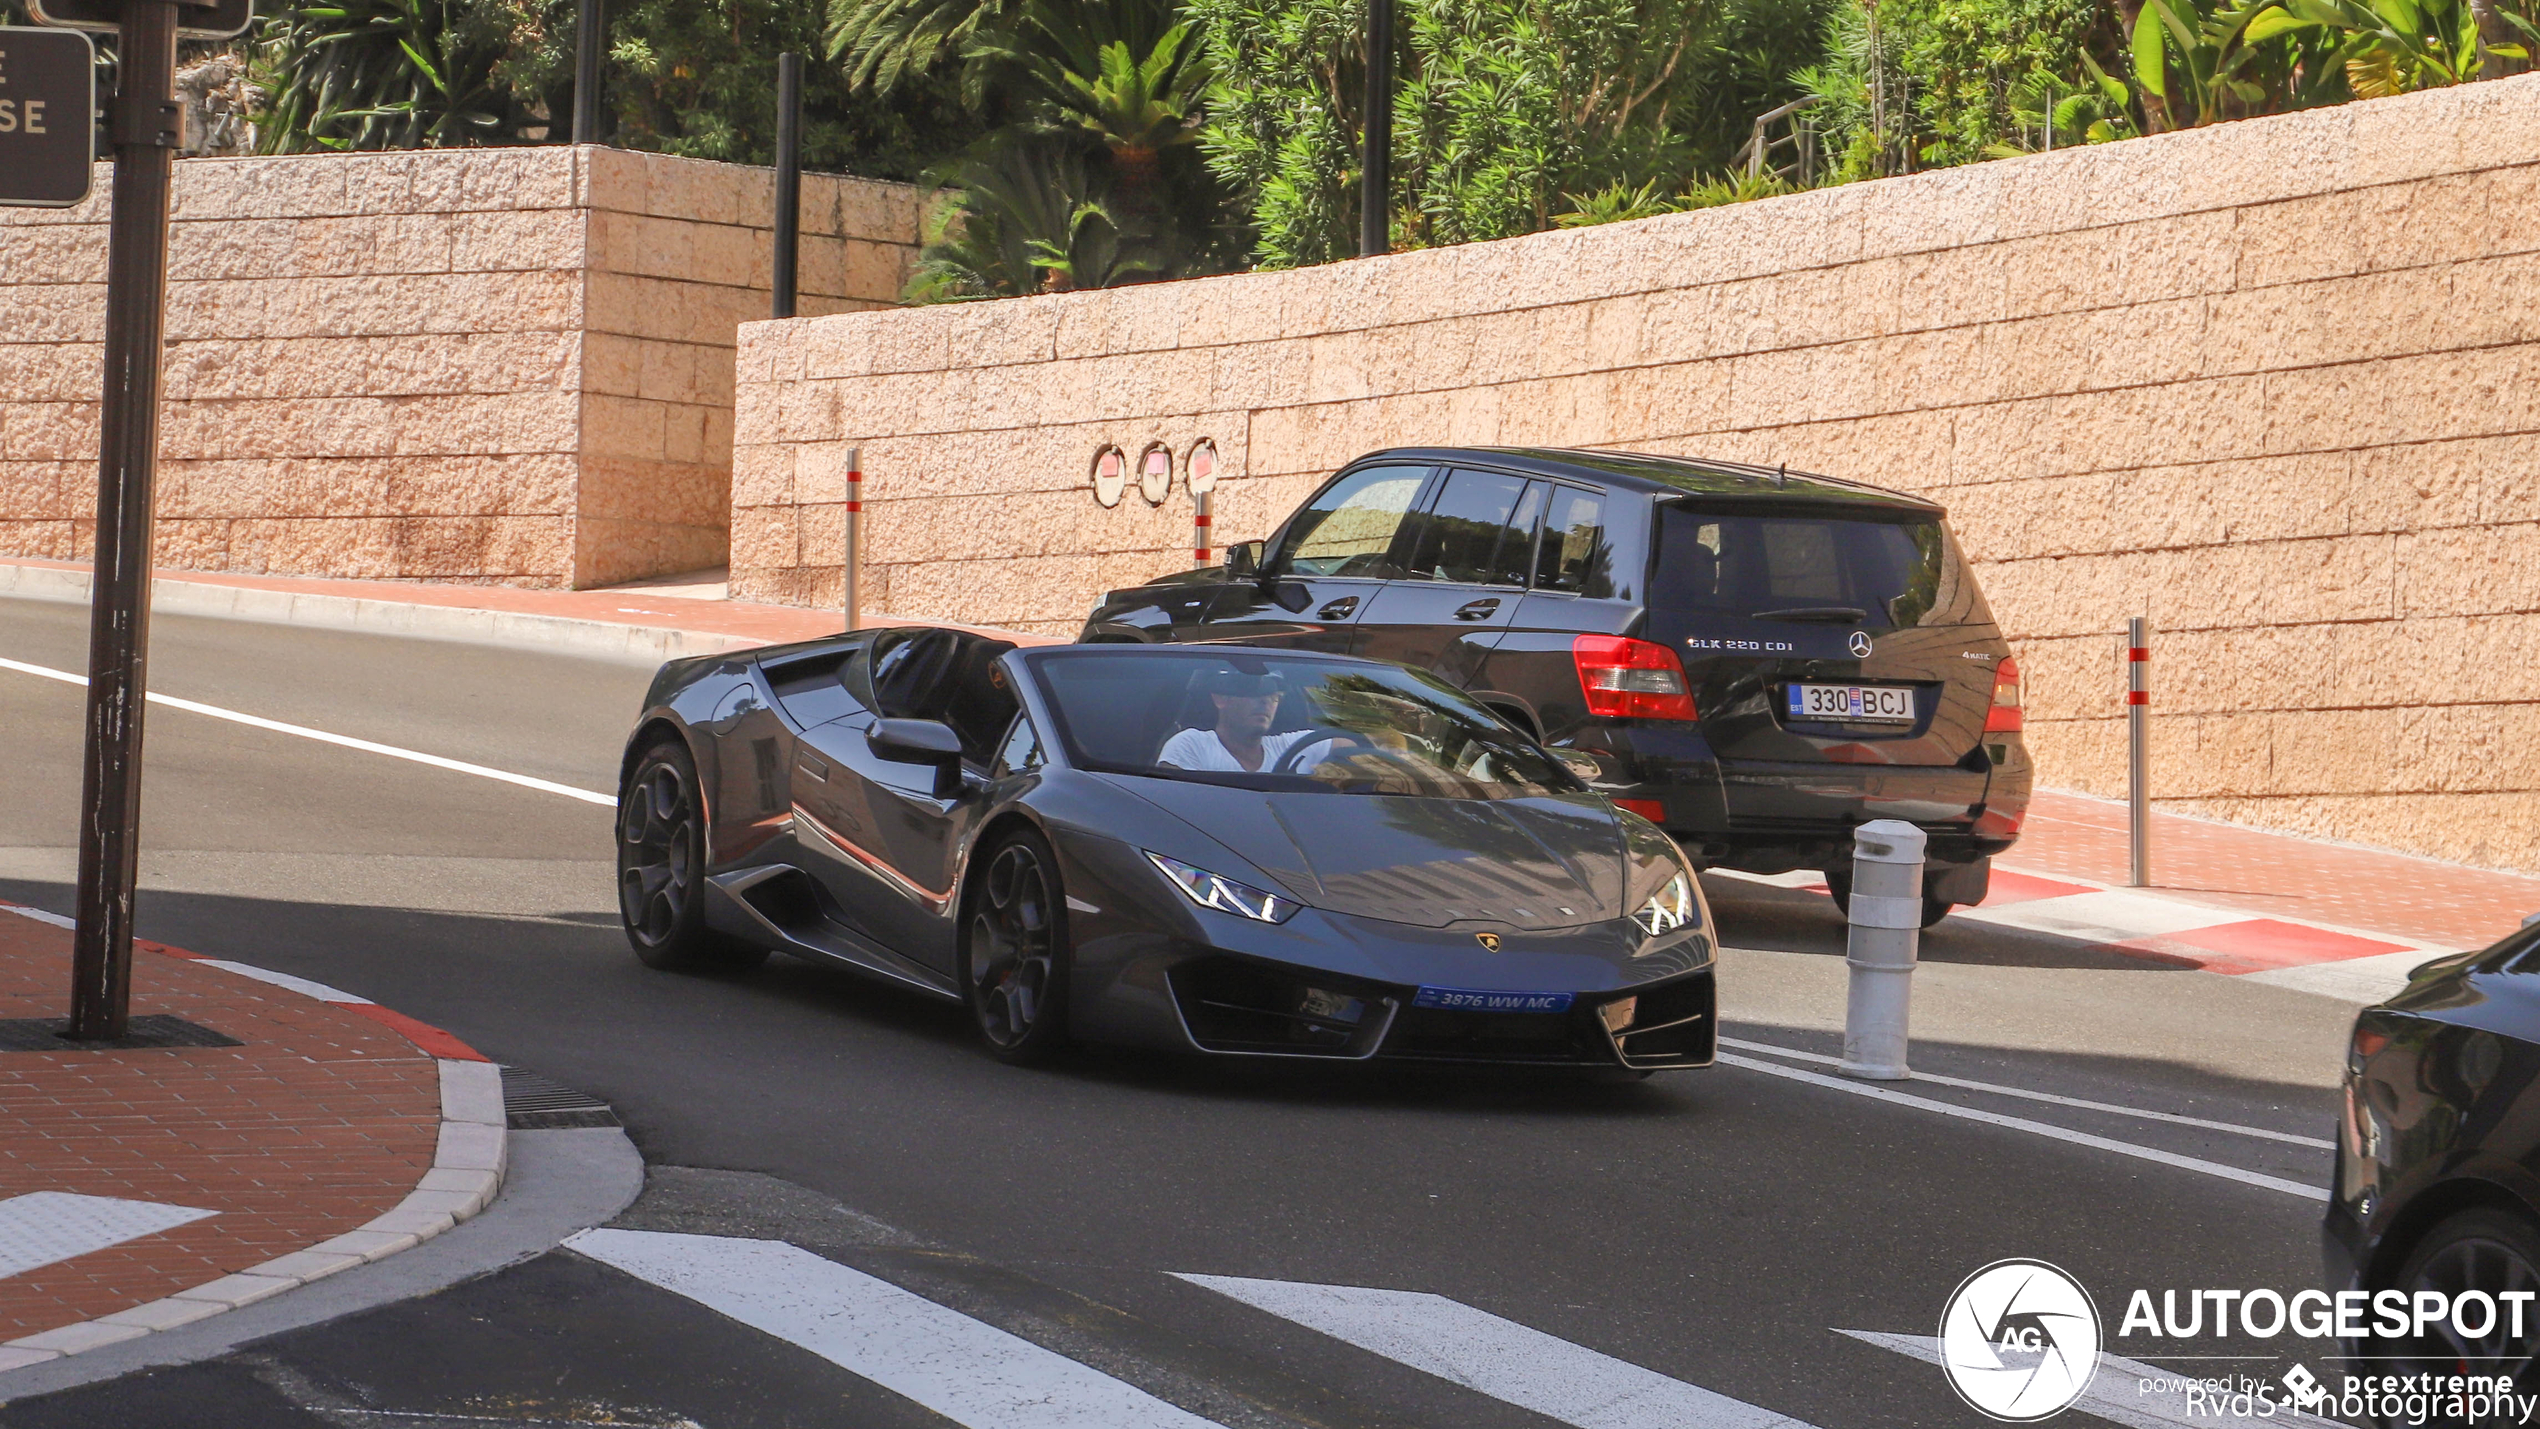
point(1829, 568)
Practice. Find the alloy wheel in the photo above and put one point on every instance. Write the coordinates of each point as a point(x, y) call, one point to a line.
point(2476, 1262)
point(657, 855)
point(1013, 945)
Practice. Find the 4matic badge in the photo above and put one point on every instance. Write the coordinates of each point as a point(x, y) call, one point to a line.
point(2019, 1340)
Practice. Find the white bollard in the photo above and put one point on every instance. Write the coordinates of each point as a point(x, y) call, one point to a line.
point(1886, 913)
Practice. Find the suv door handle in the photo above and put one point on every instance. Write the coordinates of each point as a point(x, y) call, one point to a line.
point(1477, 609)
point(1338, 609)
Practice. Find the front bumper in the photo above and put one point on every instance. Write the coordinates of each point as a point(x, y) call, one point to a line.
point(1150, 969)
point(1242, 1007)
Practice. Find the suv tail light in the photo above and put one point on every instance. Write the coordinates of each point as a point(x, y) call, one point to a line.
point(2004, 717)
point(1631, 679)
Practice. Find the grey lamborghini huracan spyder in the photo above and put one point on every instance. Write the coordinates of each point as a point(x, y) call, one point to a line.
point(1213, 849)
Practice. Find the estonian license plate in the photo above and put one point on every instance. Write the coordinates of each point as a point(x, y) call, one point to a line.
point(1852, 704)
point(1464, 999)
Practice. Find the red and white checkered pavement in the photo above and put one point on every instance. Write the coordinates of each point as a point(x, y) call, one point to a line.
point(2326, 918)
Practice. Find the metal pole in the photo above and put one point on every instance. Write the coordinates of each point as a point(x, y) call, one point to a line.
point(853, 555)
point(789, 178)
point(1375, 191)
point(590, 33)
point(145, 129)
point(1886, 913)
point(1201, 541)
point(2138, 721)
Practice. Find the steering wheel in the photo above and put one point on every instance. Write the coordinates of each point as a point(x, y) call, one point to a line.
point(1311, 737)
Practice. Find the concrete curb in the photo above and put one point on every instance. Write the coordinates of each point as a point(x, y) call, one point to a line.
point(598, 639)
point(467, 1173)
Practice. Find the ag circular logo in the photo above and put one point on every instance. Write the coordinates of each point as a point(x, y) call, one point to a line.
point(1860, 644)
point(2019, 1340)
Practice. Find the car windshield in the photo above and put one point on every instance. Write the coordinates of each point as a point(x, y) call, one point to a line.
point(1301, 723)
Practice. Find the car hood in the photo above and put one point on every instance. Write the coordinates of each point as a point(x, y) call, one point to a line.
point(1553, 862)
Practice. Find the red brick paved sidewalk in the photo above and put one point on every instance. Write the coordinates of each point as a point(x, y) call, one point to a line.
point(321, 1121)
point(2279, 875)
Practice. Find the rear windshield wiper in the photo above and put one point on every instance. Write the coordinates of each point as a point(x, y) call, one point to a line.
point(1840, 614)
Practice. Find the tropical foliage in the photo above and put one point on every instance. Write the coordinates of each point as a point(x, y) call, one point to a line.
point(1502, 108)
point(1912, 84)
point(1083, 143)
point(1091, 173)
point(681, 77)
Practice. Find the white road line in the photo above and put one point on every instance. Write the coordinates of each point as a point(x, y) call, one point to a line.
point(2129, 1393)
point(344, 741)
point(2038, 1128)
point(1497, 1357)
point(46, 1227)
point(2320, 1142)
point(972, 1373)
point(318, 990)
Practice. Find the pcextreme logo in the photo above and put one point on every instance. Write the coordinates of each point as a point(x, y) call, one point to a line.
point(2019, 1340)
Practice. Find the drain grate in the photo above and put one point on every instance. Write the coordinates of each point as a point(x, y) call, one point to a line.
point(157, 1030)
point(532, 1103)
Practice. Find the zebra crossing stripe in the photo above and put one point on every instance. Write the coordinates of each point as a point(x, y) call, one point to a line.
point(969, 1372)
point(1497, 1357)
point(2131, 1393)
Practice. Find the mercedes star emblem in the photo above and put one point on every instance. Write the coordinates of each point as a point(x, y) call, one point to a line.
point(1860, 645)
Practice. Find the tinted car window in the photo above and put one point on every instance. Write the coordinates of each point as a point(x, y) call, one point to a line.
point(1321, 725)
point(1463, 533)
point(1349, 529)
point(1022, 748)
point(1574, 556)
point(1854, 571)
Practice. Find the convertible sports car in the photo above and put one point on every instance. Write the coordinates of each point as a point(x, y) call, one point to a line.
point(1212, 849)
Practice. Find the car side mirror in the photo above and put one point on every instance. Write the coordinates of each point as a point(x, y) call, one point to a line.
point(1244, 560)
point(920, 741)
point(1292, 596)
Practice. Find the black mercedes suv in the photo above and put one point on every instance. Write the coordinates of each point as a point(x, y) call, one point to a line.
point(1755, 659)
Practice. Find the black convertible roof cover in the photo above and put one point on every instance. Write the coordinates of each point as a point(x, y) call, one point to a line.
point(1676, 476)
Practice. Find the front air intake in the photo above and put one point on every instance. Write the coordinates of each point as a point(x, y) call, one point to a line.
point(1670, 1025)
point(1230, 1005)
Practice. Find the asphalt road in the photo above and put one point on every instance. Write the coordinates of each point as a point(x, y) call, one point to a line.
point(1716, 1227)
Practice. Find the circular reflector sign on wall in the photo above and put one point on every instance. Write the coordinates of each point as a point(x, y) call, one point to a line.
point(1202, 467)
point(1111, 475)
point(1155, 474)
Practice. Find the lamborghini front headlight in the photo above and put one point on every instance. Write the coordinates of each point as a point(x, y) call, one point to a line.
point(1215, 890)
point(1670, 908)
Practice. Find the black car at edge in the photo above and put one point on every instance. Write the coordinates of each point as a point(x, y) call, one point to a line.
point(1758, 660)
point(2437, 1182)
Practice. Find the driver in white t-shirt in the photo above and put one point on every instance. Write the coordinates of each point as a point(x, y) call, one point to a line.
point(1242, 741)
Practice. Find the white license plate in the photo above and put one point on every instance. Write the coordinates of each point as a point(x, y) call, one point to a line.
point(1852, 704)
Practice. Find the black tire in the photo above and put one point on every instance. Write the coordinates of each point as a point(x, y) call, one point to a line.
point(1014, 952)
point(2485, 1249)
point(1935, 909)
point(661, 869)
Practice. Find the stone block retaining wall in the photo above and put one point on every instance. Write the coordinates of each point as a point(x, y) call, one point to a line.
point(2275, 384)
point(503, 365)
